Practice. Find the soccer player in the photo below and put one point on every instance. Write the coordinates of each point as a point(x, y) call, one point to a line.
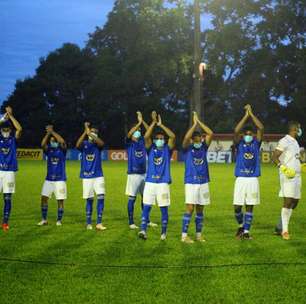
point(54, 147)
point(137, 155)
point(247, 172)
point(158, 176)
point(8, 162)
point(287, 157)
point(91, 173)
point(196, 177)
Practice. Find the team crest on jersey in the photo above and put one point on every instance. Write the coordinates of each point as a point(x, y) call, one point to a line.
point(158, 160)
point(198, 161)
point(90, 157)
point(54, 160)
point(139, 154)
point(248, 155)
point(5, 150)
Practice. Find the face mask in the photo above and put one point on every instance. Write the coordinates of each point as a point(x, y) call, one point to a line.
point(159, 143)
point(5, 134)
point(136, 134)
point(54, 144)
point(197, 145)
point(92, 136)
point(248, 138)
point(300, 132)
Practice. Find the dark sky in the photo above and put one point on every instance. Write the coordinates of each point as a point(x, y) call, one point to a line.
point(30, 29)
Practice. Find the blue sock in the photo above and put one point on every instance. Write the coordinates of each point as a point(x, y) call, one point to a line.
point(199, 222)
point(130, 206)
point(7, 207)
point(164, 219)
point(239, 217)
point(100, 208)
point(248, 217)
point(186, 222)
point(89, 203)
point(44, 212)
point(60, 212)
point(144, 217)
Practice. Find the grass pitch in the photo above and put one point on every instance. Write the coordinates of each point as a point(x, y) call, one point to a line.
point(71, 265)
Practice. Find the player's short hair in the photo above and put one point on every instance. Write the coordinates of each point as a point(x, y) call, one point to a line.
point(7, 124)
point(160, 132)
point(248, 128)
point(195, 134)
point(293, 124)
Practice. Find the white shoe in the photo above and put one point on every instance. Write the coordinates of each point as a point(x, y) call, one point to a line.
point(89, 227)
point(58, 223)
point(187, 240)
point(100, 227)
point(163, 237)
point(200, 239)
point(42, 223)
point(133, 227)
point(151, 224)
point(142, 235)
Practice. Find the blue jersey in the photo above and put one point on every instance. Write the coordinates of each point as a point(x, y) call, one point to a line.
point(159, 165)
point(248, 159)
point(56, 164)
point(91, 162)
point(8, 153)
point(196, 165)
point(137, 154)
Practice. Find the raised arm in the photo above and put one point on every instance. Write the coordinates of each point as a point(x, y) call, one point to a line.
point(148, 134)
point(258, 124)
point(207, 130)
point(137, 126)
point(186, 140)
point(14, 121)
point(83, 136)
point(240, 125)
point(97, 140)
point(170, 134)
point(45, 140)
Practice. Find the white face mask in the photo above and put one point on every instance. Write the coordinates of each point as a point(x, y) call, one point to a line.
point(5, 134)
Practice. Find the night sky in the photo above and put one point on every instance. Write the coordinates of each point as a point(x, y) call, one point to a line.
point(30, 29)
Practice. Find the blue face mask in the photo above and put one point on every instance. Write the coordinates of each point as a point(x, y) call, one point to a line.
point(136, 134)
point(248, 138)
point(197, 145)
point(300, 132)
point(54, 144)
point(159, 143)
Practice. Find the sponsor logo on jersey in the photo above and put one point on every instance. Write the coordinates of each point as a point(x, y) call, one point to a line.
point(198, 161)
point(158, 160)
point(90, 157)
point(248, 155)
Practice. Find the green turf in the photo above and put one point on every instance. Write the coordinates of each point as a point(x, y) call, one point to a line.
point(71, 265)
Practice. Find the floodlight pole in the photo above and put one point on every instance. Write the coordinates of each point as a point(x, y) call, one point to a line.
point(196, 104)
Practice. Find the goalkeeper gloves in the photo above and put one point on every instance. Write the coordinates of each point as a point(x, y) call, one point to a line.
point(288, 172)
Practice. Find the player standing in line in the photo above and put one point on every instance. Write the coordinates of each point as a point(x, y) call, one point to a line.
point(287, 157)
point(91, 173)
point(8, 162)
point(55, 148)
point(158, 176)
point(196, 177)
point(137, 164)
point(247, 172)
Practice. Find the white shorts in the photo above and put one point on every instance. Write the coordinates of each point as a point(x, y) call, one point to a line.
point(7, 181)
point(135, 184)
point(246, 191)
point(59, 188)
point(156, 192)
point(92, 186)
point(290, 187)
point(197, 194)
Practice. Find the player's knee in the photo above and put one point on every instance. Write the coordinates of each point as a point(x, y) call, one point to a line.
point(237, 208)
point(7, 196)
point(100, 197)
point(132, 198)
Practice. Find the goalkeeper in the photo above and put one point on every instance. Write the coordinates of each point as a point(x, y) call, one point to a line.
point(287, 158)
